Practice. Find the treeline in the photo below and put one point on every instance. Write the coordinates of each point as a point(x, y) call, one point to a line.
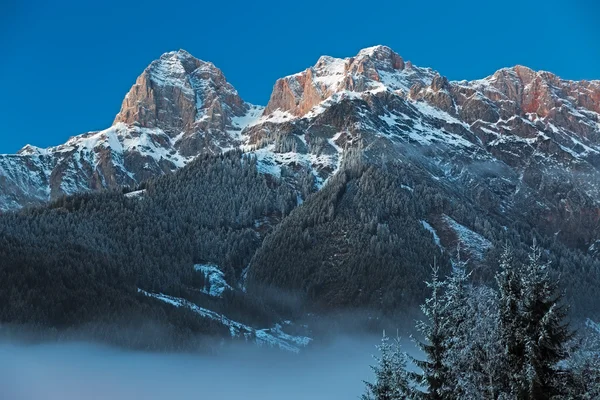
point(79, 261)
point(511, 342)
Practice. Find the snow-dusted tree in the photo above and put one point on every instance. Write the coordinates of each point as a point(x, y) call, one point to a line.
point(546, 332)
point(532, 328)
point(485, 359)
point(434, 376)
point(473, 349)
point(391, 376)
point(511, 325)
point(583, 364)
point(458, 320)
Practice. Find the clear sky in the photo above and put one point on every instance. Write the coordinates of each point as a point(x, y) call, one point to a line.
point(66, 65)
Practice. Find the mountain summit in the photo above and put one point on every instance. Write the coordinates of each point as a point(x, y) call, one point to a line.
point(188, 99)
point(372, 69)
point(178, 108)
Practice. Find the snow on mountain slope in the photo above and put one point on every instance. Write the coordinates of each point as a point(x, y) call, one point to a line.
point(473, 242)
point(373, 69)
point(271, 337)
point(532, 130)
point(118, 156)
point(214, 279)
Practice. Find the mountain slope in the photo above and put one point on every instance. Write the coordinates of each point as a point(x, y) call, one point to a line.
point(94, 262)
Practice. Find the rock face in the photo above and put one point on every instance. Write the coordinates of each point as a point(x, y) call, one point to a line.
point(189, 100)
point(372, 69)
point(522, 143)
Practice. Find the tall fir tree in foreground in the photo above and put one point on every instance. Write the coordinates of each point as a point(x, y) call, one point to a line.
point(456, 314)
point(511, 325)
point(532, 328)
point(472, 343)
point(391, 375)
point(435, 376)
point(546, 332)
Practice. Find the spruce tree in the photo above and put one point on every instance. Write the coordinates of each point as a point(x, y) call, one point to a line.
point(473, 346)
point(434, 377)
point(546, 332)
point(458, 322)
point(532, 328)
point(484, 358)
point(511, 325)
point(391, 376)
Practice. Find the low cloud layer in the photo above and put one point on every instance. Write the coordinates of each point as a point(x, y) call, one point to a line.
point(85, 371)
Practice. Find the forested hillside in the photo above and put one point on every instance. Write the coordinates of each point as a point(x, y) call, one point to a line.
point(78, 263)
point(336, 197)
point(97, 264)
point(368, 237)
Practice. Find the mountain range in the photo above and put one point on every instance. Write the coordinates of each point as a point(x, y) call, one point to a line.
point(532, 127)
point(371, 165)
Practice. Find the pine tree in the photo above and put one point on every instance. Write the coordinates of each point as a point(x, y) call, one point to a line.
point(546, 333)
point(434, 377)
point(511, 325)
point(532, 328)
point(458, 321)
point(483, 350)
point(473, 346)
point(391, 376)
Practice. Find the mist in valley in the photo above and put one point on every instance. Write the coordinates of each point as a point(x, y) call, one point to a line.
point(89, 371)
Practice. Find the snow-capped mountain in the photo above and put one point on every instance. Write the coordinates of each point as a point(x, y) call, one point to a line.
point(518, 139)
point(521, 141)
point(178, 108)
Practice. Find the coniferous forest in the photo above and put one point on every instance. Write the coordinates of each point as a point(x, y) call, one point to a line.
point(513, 341)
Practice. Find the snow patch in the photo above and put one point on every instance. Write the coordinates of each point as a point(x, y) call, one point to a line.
point(135, 194)
point(436, 238)
point(214, 280)
point(270, 337)
point(472, 241)
point(240, 123)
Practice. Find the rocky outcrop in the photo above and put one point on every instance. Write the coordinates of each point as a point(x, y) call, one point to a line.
point(372, 69)
point(541, 131)
point(176, 92)
point(186, 98)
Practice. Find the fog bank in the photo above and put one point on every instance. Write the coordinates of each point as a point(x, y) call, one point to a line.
point(85, 371)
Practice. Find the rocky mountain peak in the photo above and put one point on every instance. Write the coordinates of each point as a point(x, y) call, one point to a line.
point(373, 69)
point(540, 92)
point(178, 92)
point(383, 57)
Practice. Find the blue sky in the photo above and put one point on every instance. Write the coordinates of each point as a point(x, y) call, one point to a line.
point(66, 65)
